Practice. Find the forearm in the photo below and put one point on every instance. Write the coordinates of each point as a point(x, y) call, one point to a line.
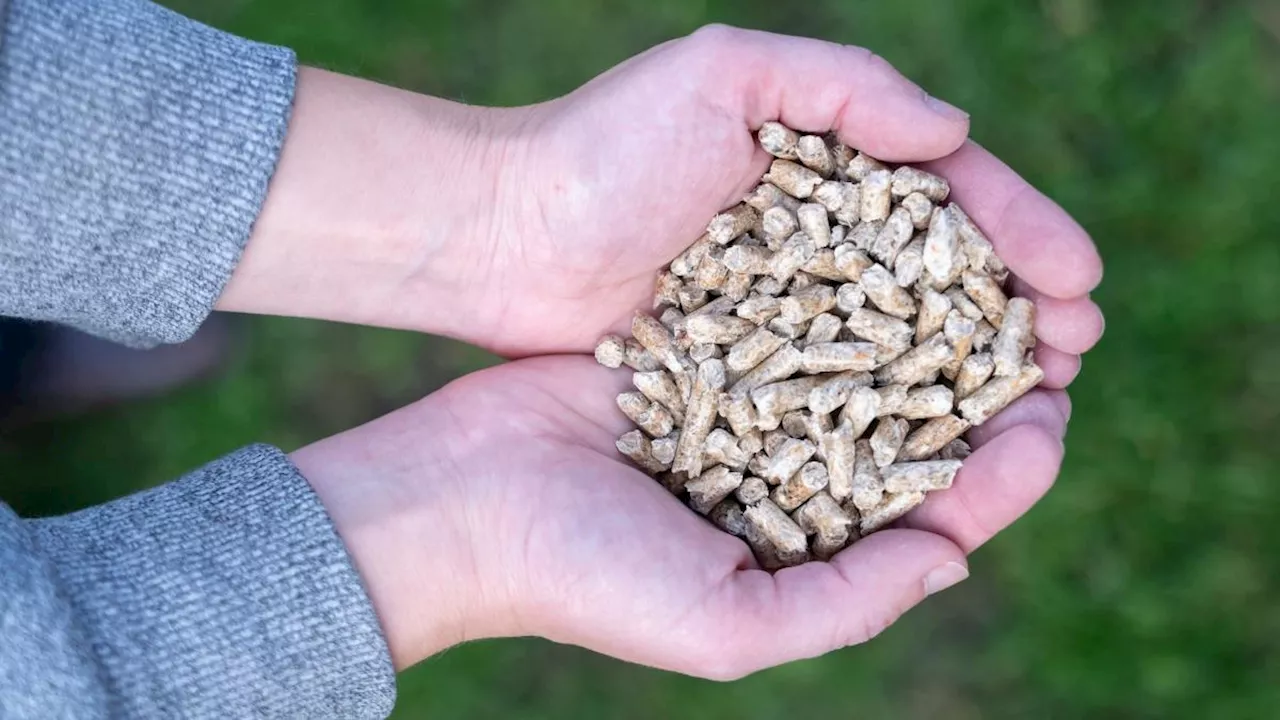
point(224, 593)
point(377, 209)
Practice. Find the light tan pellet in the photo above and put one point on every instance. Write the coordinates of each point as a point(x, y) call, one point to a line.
point(955, 450)
point(722, 449)
point(664, 448)
point(868, 488)
point(639, 359)
point(782, 533)
point(822, 517)
point(931, 437)
point(850, 210)
point(894, 236)
point(927, 402)
point(773, 440)
point(876, 196)
point(824, 328)
point(792, 256)
point(660, 387)
point(753, 350)
point(717, 306)
point(751, 442)
point(865, 233)
point(712, 486)
point(842, 154)
point(790, 331)
point(959, 331)
point(718, 329)
point(883, 292)
point(998, 393)
point(801, 486)
point(759, 309)
point(934, 307)
point(978, 251)
point(704, 351)
point(808, 303)
point(835, 391)
point(794, 179)
point(829, 194)
point(686, 262)
point(611, 351)
point(758, 463)
point(748, 259)
point(692, 298)
point(891, 508)
point(813, 222)
point(892, 397)
point(699, 416)
point(823, 265)
point(737, 409)
point(838, 357)
point(974, 372)
point(728, 517)
point(863, 407)
point(815, 155)
point(802, 281)
point(732, 223)
point(907, 180)
point(909, 266)
point(915, 364)
point(775, 399)
point(851, 262)
point(767, 195)
point(659, 341)
point(737, 286)
point(986, 294)
point(837, 449)
point(777, 224)
point(863, 165)
point(763, 550)
point(778, 140)
point(961, 301)
point(795, 423)
point(639, 450)
point(651, 417)
point(1014, 338)
point(751, 491)
point(787, 460)
point(920, 209)
point(983, 336)
point(711, 273)
point(666, 290)
point(850, 297)
point(941, 253)
point(887, 439)
point(925, 476)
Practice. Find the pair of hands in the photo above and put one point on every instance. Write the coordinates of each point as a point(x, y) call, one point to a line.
point(498, 505)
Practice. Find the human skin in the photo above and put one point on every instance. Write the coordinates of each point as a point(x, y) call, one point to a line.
point(498, 505)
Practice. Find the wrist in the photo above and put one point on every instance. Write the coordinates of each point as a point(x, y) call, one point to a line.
point(382, 211)
point(391, 489)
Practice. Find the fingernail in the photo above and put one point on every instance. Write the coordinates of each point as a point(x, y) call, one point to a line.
point(945, 109)
point(943, 577)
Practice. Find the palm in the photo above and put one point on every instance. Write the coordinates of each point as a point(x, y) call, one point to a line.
point(597, 554)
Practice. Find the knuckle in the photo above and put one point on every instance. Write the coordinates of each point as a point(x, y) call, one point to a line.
point(715, 35)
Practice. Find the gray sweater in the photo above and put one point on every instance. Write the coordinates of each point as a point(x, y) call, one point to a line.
point(135, 151)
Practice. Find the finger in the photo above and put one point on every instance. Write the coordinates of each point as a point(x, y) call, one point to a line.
point(1059, 368)
point(1035, 237)
point(1042, 408)
point(816, 86)
point(760, 620)
point(1072, 326)
point(997, 484)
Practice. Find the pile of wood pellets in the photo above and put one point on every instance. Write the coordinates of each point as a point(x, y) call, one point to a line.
point(820, 351)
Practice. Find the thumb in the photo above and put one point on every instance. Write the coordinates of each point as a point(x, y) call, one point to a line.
point(812, 609)
point(815, 86)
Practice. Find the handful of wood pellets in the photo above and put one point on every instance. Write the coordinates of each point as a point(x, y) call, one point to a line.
point(819, 352)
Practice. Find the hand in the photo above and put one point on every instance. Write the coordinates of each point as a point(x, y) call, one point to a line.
point(538, 229)
point(499, 507)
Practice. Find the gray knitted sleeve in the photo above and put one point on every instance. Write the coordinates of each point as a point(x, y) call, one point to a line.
point(135, 151)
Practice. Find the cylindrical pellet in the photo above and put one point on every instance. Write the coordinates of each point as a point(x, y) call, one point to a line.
point(919, 208)
point(998, 393)
point(909, 266)
point(718, 329)
point(934, 307)
point(751, 491)
point(660, 387)
point(868, 488)
point(786, 537)
point(876, 195)
point(838, 357)
point(907, 180)
point(753, 350)
point(699, 417)
point(931, 437)
point(894, 236)
point(788, 460)
point(611, 351)
point(890, 509)
point(808, 303)
point(707, 490)
point(775, 399)
point(917, 362)
point(794, 179)
point(1014, 338)
point(941, 253)
point(792, 256)
point(838, 451)
point(861, 409)
point(722, 449)
point(782, 364)
point(659, 342)
point(732, 223)
point(883, 291)
point(778, 223)
point(919, 476)
point(851, 262)
point(801, 486)
point(815, 155)
point(651, 417)
point(927, 402)
point(778, 140)
point(974, 372)
point(887, 440)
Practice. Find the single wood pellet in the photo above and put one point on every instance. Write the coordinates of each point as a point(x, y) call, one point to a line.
point(820, 351)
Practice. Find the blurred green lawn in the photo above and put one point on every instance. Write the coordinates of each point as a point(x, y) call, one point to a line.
point(1147, 585)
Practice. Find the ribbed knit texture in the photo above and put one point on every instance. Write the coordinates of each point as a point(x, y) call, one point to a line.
point(135, 151)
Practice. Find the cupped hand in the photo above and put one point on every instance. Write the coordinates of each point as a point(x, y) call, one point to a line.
point(498, 507)
point(615, 179)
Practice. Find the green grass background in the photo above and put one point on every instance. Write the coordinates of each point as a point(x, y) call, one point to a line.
point(1146, 585)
